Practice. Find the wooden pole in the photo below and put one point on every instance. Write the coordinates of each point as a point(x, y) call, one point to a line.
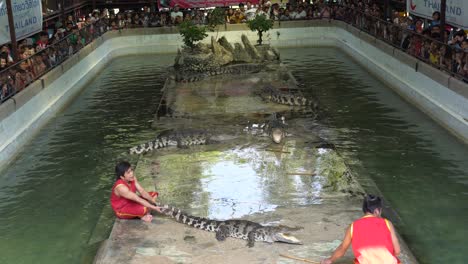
point(62, 12)
point(11, 23)
point(300, 259)
point(443, 8)
point(386, 11)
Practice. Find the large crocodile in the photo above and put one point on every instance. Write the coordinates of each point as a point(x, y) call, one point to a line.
point(275, 128)
point(194, 76)
point(242, 229)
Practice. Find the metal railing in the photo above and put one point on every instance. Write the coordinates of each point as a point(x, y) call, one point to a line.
point(427, 48)
point(18, 76)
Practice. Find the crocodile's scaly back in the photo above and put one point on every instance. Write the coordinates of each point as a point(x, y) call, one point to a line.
point(242, 229)
point(182, 138)
point(286, 98)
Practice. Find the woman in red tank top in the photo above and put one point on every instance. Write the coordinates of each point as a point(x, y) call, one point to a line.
point(372, 237)
point(124, 200)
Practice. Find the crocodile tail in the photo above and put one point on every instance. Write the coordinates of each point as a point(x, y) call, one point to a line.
point(193, 221)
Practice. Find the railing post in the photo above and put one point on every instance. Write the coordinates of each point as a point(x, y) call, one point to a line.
point(443, 8)
point(11, 23)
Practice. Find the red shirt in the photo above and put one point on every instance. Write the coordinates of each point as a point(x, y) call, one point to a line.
point(118, 202)
point(370, 232)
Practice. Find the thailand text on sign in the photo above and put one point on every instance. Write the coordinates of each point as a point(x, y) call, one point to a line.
point(456, 12)
point(27, 15)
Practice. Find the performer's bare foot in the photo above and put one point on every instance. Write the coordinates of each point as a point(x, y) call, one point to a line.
point(147, 218)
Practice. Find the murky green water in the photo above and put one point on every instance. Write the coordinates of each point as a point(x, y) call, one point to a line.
point(419, 167)
point(53, 194)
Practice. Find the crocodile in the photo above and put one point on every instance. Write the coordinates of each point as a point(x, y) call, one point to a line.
point(243, 229)
point(273, 128)
point(194, 76)
point(271, 94)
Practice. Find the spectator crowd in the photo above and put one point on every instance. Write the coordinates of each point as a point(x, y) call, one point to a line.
point(445, 48)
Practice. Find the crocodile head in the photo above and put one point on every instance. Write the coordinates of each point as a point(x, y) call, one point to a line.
point(286, 238)
point(277, 134)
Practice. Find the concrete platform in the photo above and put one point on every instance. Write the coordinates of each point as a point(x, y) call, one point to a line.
point(244, 177)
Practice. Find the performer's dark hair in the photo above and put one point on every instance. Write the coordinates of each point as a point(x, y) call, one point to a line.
point(121, 168)
point(371, 202)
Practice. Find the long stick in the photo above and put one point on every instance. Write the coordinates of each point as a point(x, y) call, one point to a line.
point(301, 259)
point(301, 173)
point(274, 150)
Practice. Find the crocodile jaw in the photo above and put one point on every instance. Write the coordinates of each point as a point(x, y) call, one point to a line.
point(286, 238)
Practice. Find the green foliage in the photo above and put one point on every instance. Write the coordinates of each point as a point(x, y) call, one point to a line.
point(260, 24)
point(217, 17)
point(191, 33)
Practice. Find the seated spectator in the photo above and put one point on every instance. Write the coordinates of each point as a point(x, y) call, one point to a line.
point(6, 49)
point(71, 20)
point(23, 76)
point(458, 62)
point(285, 15)
point(464, 45)
point(250, 11)
point(425, 49)
point(299, 14)
point(95, 18)
point(457, 40)
point(38, 66)
point(435, 19)
point(164, 19)
point(187, 17)
point(465, 67)
point(325, 14)
point(434, 54)
point(136, 21)
point(275, 12)
point(69, 28)
point(120, 21)
point(228, 13)
point(198, 19)
point(242, 8)
point(43, 41)
point(52, 56)
point(176, 13)
point(6, 87)
point(3, 61)
point(237, 18)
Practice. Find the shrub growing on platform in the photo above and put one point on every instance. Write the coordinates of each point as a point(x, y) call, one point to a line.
point(261, 24)
point(191, 33)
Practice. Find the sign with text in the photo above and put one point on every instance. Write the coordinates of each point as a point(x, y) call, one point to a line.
point(27, 15)
point(199, 3)
point(456, 13)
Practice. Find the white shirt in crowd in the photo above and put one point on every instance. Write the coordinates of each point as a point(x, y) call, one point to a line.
point(176, 14)
point(250, 13)
point(301, 15)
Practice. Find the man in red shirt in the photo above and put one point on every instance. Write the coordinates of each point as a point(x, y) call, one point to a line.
point(124, 200)
point(373, 238)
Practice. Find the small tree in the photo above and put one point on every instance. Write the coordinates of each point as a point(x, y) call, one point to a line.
point(191, 33)
point(216, 18)
point(261, 24)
